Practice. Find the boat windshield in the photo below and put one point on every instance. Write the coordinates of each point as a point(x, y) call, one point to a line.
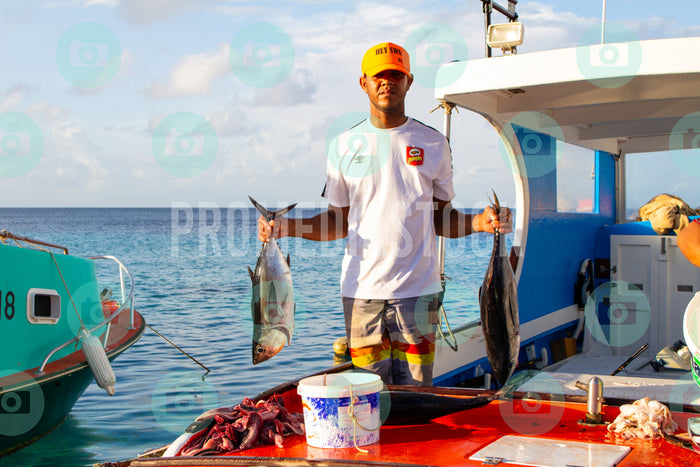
point(575, 179)
point(670, 176)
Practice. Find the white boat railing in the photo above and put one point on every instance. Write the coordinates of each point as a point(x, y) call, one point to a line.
point(127, 299)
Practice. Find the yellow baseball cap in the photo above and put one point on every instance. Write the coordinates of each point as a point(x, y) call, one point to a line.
point(385, 56)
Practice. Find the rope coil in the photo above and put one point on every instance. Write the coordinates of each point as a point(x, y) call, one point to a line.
point(356, 423)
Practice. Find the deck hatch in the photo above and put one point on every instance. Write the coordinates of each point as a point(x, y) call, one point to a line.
point(43, 306)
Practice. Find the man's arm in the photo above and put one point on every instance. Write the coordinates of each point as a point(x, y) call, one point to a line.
point(451, 223)
point(689, 242)
point(328, 225)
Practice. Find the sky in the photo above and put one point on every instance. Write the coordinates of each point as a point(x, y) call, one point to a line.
point(146, 103)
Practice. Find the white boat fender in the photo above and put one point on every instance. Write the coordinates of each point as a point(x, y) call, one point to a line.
point(584, 283)
point(97, 361)
point(176, 445)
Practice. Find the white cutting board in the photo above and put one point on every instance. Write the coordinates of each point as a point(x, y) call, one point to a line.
point(543, 452)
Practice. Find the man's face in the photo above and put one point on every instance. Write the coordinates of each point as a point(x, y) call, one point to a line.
point(387, 89)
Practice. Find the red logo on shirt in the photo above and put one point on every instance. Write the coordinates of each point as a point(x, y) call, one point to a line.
point(414, 156)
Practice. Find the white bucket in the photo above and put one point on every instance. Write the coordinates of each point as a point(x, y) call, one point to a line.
point(691, 334)
point(341, 410)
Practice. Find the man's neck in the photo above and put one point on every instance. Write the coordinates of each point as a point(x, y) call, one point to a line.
point(385, 121)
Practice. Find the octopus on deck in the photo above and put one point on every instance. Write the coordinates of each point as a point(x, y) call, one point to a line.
point(644, 418)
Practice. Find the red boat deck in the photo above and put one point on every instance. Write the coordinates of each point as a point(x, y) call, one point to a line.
point(451, 440)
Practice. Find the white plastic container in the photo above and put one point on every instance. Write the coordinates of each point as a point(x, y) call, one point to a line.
point(341, 410)
point(691, 334)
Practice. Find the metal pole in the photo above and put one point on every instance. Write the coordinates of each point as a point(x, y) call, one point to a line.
point(602, 26)
point(447, 124)
point(511, 9)
point(487, 23)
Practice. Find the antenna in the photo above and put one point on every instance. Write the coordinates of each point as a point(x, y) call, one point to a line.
point(488, 7)
point(602, 26)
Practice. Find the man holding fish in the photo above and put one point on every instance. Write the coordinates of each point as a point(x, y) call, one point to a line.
point(390, 196)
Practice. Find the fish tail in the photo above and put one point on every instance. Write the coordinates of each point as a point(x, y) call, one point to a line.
point(494, 202)
point(269, 215)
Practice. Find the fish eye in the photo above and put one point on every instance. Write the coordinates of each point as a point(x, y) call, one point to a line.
point(260, 349)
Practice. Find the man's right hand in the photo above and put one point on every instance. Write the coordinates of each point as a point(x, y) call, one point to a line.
point(266, 229)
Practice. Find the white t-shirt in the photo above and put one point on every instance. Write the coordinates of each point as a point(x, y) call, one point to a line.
point(388, 178)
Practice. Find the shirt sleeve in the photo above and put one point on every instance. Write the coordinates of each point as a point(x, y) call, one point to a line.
point(336, 189)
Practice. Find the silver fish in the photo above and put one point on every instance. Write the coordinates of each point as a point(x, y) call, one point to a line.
point(272, 303)
point(498, 300)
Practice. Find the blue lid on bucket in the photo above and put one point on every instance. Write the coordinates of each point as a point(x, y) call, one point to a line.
point(340, 385)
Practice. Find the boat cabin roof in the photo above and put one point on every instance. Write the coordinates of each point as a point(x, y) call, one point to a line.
point(635, 107)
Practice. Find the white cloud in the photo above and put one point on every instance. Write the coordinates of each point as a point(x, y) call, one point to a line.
point(229, 123)
point(46, 113)
point(81, 3)
point(194, 74)
point(272, 137)
point(298, 88)
point(76, 153)
point(150, 11)
point(43, 112)
point(101, 2)
point(13, 97)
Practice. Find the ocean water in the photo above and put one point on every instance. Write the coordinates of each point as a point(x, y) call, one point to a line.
point(189, 264)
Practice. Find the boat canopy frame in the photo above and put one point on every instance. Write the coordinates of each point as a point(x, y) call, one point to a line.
point(635, 111)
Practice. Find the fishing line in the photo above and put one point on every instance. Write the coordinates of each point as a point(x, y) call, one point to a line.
point(178, 348)
point(82, 325)
point(453, 345)
point(442, 314)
